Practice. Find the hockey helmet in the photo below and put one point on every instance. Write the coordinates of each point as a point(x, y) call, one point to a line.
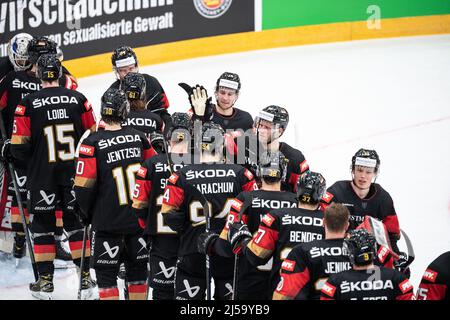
point(361, 247)
point(114, 105)
point(212, 138)
point(49, 67)
point(229, 80)
point(366, 158)
point(274, 114)
point(123, 56)
point(181, 127)
point(18, 51)
point(134, 86)
point(157, 142)
point(311, 187)
point(40, 46)
point(272, 167)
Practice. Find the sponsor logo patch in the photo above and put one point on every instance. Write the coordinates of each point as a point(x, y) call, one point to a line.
point(20, 110)
point(329, 289)
point(430, 275)
point(268, 220)
point(327, 197)
point(405, 286)
point(142, 172)
point(288, 265)
point(173, 178)
point(248, 174)
point(304, 166)
point(86, 150)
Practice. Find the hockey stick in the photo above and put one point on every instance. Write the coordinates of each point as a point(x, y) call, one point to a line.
point(83, 252)
point(12, 173)
point(247, 203)
point(197, 194)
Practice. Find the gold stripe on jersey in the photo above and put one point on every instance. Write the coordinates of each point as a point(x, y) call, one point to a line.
point(15, 139)
point(44, 257)
point(84, 182)
point(279, 296)
point(259, 251)
point(139, 204)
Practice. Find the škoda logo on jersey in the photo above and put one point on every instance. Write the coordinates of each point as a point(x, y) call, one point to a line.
point(20, 110)
point(142, 172)
point(430, 275)
point(268, 220)
point(86, 150)
point(329, 289)
point(173, 178)
point(405, 286)
point(288, 265)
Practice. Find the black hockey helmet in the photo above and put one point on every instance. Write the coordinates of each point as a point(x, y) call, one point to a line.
point(123, 56)
point(361, 247)
point(181, 127)
point(49, 67)
point(134, 86)
point(275, 114)
point(272, 167)
point(310, 187)
point(40, 46)
point(114, 105)
point(212, 138)
point(157, 142)
point(229, 80)
point(366, 158)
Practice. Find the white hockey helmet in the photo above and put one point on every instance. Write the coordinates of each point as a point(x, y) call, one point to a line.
point(18, 51)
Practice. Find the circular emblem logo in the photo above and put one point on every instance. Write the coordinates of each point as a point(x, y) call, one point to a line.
point(212, 8)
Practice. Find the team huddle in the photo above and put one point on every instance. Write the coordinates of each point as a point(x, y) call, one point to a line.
point(173, 203)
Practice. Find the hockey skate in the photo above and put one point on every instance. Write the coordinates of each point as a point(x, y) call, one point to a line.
point(43, 288)
point(87, 287)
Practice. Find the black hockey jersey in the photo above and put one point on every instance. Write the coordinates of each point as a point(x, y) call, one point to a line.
point(309, 265)
point(239, 120)
point(105, 179)
point(47, 127)
point(253, 282)
point(219, 183)
point(279, 231)
point(151, 180)
point(5, 67)
point(435, 283)
point(377, 283)
point(377, 204)
point(145, 121)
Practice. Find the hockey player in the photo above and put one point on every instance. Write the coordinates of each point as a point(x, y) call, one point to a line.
point(47, 127)
point(435, 284)
point(308, 265)
point(140, 118)
point(220, 183)
point(17, 58)
point(13, 88)
point(365, 281)
point(104, 183)
point(151, 180)
point(253, 282)
point(282, 229)
point(124, 60)
point(363, 196)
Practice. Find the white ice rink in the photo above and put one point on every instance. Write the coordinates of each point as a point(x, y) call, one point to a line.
point(390, 95)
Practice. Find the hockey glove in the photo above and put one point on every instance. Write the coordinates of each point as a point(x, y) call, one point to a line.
point(403, 262)
point(238, 235)
point(200, 103)
point(5, 151)
point(206, 241)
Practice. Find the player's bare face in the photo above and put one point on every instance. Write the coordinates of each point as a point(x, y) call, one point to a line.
point(267, 131)
point(226, 98)
point(363, 177)
point(123, 71)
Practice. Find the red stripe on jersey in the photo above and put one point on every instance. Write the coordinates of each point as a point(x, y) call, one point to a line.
point(293, 179)
point(4, 100)
point(428, 291)
point(392, 224)
point(137, 288)
point(268, 240)
point(144, 188)
point(148, 153)
point(78, 245)
point(175, 196)
point(407, 296)
point(89, 168)
point(22, 127)
point(430, 275)
point(106, 293)
point(250, 186)
point(58, 214)
point(44, 248)
point(88, 120)
point(165, 101)
point(293, 283)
